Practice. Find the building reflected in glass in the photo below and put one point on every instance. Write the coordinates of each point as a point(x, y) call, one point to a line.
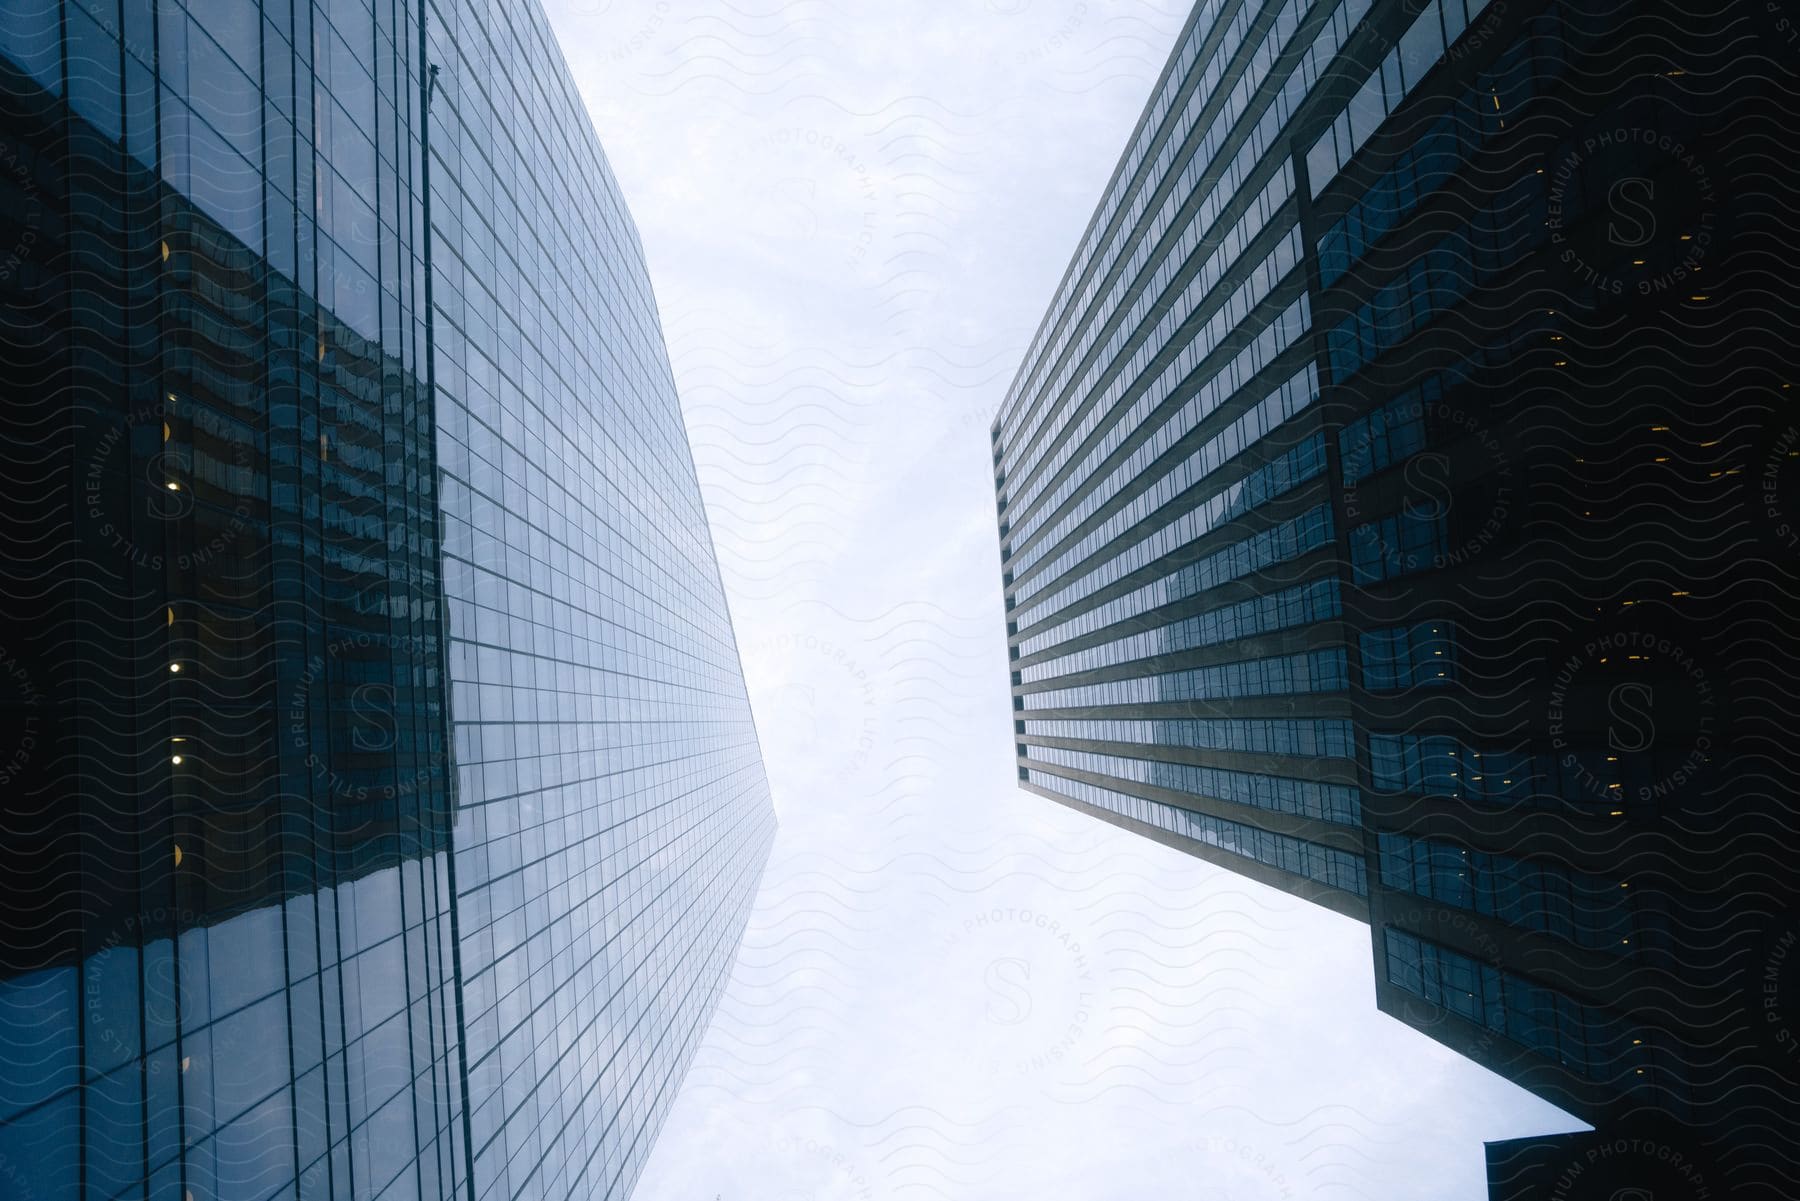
point(381, 794)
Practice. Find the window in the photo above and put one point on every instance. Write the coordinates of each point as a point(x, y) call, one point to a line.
point(1531, 894)
point(1314, 671)
point(1389, 435)
point(1408, 656)
point(1340, 869)
point(1396, 545)
point(1420, 48)
point(1556, 1026)
point(1280, 794)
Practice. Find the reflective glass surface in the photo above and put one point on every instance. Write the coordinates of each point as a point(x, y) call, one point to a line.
point(613, 812)
point(386, 804)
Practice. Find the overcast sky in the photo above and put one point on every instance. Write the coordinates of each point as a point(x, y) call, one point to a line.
point(855, 213)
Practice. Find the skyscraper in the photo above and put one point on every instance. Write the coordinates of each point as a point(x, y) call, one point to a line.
point(1392, 509)
point(383, 794)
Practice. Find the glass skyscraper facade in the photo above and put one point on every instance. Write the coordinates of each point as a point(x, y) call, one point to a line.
point(1173, 603)
point(1390, 509)
point(607, 765)
point(383, 797)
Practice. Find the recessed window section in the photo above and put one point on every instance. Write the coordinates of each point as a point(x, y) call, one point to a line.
point(1399, 657)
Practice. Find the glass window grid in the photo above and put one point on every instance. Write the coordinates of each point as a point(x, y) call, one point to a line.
point(1277, 544)
point(1432, 283)
point(1125, 377)
point(1418, 50)
point(534, 309)
point(1416, 656)
point(1442, 765)
point(1531, 894)
point(344, 983)
point(1126, 183)
point(1287, 400)
point(1273, 479)
point(610, 778)
point(623, 950)
point(1451, 141)
point(1397, 545)
point(1498, 237)
point(227, 1008)
point(1336, 803)
point(1388, 435)
point(1293, 395)
point(1209, 395)
point(1297, 856)
point(1168, 381)
point(1397, 430)
point(1233, 309)
point(1303, 604)
point(1309, 68)
point(1422, 170)
point(1555, 1025)
point(1319, 737)
point(1308, 671)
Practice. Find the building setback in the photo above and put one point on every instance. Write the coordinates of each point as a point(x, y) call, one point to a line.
point(382, 794)
point(1393, 508)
